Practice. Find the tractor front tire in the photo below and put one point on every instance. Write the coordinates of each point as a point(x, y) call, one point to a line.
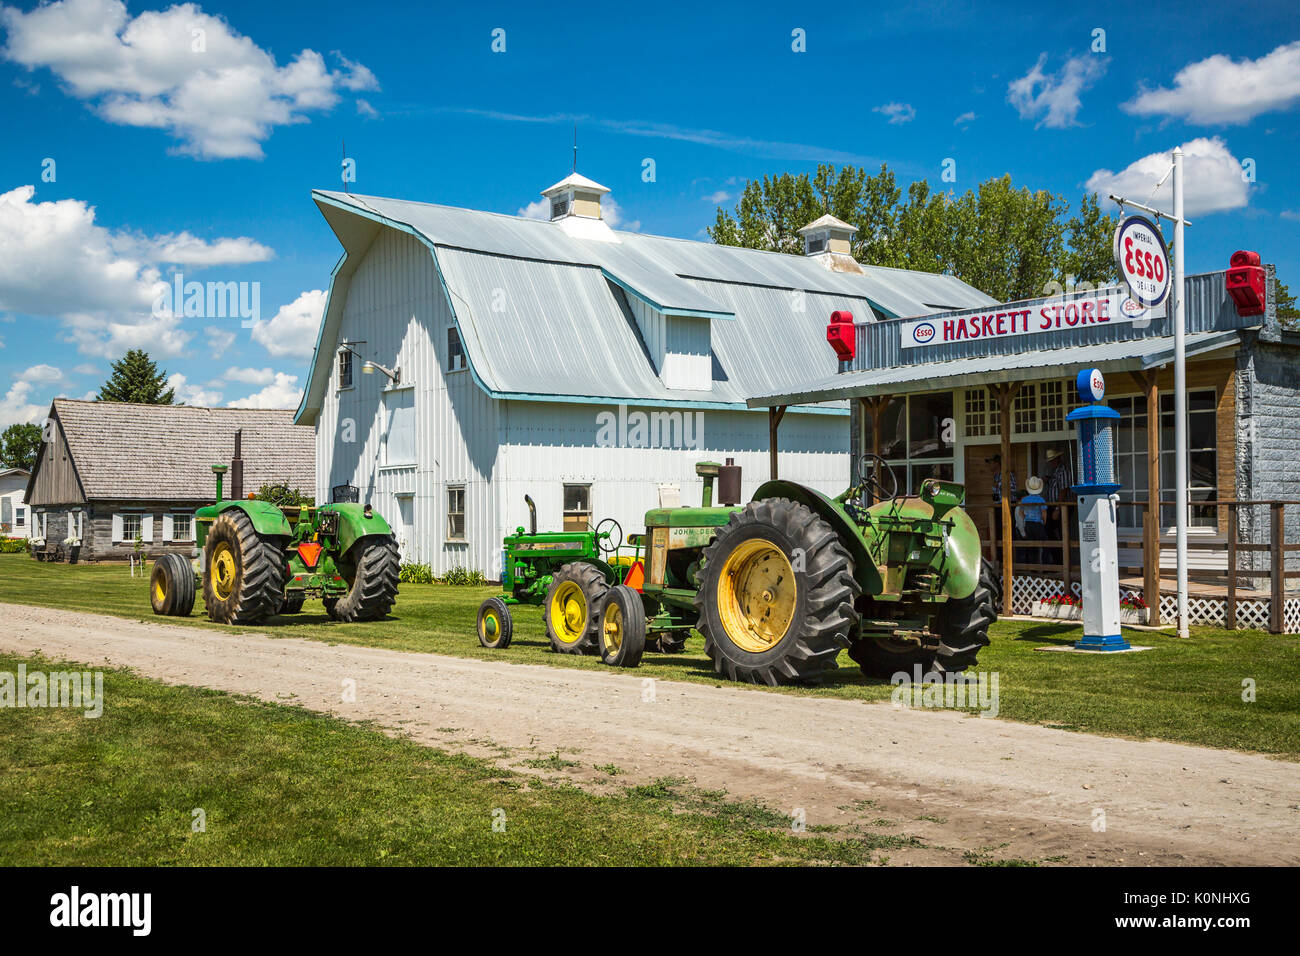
point(763, 621)
point(572, 608)
point(495, 627)
point(171, 586)
point(243, 571)
point(622, 627)
point(293, 602)
point(371, 569)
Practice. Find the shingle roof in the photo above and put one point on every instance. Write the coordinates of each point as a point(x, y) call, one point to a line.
point(124, 451)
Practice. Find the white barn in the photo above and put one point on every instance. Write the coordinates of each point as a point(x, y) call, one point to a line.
point(564, 360)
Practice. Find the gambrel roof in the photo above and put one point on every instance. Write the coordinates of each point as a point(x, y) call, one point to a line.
point(767, 310)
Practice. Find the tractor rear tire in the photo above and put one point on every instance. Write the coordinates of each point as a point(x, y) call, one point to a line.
point(374, 564)
point(962, 627)
point(293, 602)
point(171, 586)
point(572, 608)
point(762, 621)
point(495, 627)
point(243, 571)
point(622, 627)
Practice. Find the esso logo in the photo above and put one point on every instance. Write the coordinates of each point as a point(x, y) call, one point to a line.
point(1090, 384)
point(1132, 308)
point(923, 333)
point(1142, 260)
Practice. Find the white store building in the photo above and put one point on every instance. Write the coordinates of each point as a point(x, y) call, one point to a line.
point(565, 360)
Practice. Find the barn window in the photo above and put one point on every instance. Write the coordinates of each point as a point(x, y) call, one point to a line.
point(345, 369)
point(456, 513)
point(577, 507)
point(455, 352)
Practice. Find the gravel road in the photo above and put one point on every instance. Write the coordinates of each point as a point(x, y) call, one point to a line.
point(993, 787)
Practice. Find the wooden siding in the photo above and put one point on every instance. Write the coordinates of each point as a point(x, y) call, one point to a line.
point(55, 480)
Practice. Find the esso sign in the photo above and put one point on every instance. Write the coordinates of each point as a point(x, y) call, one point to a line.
point(1142, 260)
point(1091, 385)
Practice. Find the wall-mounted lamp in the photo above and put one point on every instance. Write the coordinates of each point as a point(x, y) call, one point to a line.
point(395, 375)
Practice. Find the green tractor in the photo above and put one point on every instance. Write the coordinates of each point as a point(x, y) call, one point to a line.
point(564, 572)
point(258, 560)
point(780, 586)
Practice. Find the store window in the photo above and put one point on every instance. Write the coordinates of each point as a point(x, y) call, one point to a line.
point(1051, 406)
point(577, 507)
point(916, 438)
point(1024, 410)
point(1202, 464)
point(977, 412)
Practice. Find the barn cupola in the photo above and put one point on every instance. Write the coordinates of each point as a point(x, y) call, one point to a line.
point(575, 207)
point(830, 241)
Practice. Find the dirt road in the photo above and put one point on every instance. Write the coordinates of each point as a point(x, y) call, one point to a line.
point(962, 784)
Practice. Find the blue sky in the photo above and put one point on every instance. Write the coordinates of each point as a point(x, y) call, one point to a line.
point(195, 151)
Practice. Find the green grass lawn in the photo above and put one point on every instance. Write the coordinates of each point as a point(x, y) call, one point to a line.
point(1183, 690)
point(280, 785)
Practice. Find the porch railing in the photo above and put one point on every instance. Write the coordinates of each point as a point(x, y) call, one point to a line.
point(1264, 521)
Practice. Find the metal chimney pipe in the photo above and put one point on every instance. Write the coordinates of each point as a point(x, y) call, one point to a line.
point(237, 468)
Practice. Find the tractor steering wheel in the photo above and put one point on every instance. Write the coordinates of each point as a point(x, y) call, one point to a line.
point(609, 535)
point(868, 480)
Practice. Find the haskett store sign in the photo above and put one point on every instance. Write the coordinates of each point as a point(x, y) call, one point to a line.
point(1102, 308)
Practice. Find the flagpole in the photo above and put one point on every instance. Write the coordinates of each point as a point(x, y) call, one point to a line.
point(1180, 396)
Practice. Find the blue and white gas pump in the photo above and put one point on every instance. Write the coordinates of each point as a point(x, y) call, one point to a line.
point(1096, 491)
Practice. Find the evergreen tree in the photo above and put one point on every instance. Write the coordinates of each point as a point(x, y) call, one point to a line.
point(136, 379)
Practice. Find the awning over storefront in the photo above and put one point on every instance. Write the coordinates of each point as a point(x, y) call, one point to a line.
point(1127, 356)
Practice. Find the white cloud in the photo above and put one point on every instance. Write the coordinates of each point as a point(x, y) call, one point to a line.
point(250, 376)
point(898, 113)
point(292, 330)
point(968, 117)
point(1212, 179)
point(282, 393)
point(15, 407)
point(717, 198)
point(181, 70)
point(192, 394)
point(1218, 90)
point(42, 375)
point(1292, 214)
point(56, 261)
point(185, 249)
point(365, 109)
point(537, 209)
point(87, 369)
point(219, 340)
point(1053, 99)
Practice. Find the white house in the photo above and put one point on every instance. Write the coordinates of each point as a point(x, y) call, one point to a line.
point(15, 516)
point(571, 362)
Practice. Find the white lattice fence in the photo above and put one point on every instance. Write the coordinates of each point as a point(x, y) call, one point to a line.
point(1026, 590)
point(1291, 617)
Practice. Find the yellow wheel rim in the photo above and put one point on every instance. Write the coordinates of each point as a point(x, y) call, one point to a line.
point(159, 592)
point(612, 628)
point(756, 596)
point(569, 613)
point(491, 626)
point(223, 571)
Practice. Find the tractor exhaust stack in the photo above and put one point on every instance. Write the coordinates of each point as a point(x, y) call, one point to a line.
point(729, 483)
point(237, 468)
point(532, 514)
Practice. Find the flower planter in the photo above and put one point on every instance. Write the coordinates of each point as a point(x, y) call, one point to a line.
point(1071, 612)
point(1059, 612)
point(74, 553)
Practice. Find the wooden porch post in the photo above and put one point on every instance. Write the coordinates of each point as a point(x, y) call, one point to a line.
point(774, 416)
point(1146, 381)
point(875, 405)
point(1004, 395)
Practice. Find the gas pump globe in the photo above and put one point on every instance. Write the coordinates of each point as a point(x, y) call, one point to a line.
point(1098, 542)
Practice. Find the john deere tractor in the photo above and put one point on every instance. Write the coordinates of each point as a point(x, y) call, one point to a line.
point(258, 560)
point(780, 586)
point(565, 572)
